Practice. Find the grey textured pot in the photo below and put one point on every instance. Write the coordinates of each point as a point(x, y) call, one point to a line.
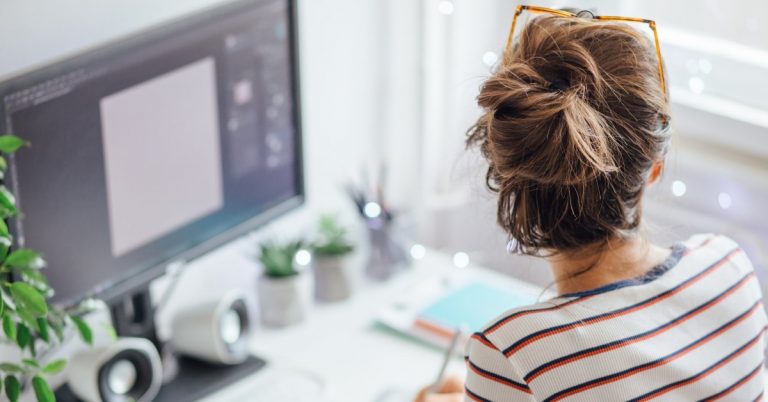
point(335, 277)
point(284, 301)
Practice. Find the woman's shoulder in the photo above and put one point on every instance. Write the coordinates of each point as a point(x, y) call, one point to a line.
point(520, 323)
point(711, 241)
point(716, 248)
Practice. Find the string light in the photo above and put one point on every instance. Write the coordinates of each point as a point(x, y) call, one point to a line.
point(303, 257)
point(696, 85)
point(725, 201)
point(490, 58)
point(372, 210)
point(678, 188)
point(461, 259)
point(418, 251)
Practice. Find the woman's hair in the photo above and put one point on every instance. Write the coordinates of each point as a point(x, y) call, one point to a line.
point(572, 124)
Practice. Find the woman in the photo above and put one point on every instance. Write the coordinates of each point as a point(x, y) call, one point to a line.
point(574, 129)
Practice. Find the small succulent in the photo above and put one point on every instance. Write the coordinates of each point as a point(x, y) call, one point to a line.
point(277, 258)
point(332, 238)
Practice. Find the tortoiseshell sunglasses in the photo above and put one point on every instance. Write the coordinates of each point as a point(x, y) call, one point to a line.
point(588, 14)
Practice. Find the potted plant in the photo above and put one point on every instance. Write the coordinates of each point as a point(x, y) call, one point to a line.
point(285, 287)
point(29, 323)
point(335, 269)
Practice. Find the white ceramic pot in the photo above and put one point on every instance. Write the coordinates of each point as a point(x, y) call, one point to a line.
point(335, 277)
point(284, 301)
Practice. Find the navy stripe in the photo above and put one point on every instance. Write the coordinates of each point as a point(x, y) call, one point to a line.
point(709, 303)
point(651, 363)
point(475, 396)
point(621, 310)
point(702, 372)
point(524, 312)
point(501, 379)
point(741, 381)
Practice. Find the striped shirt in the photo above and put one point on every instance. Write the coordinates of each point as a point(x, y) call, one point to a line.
point(690, 329)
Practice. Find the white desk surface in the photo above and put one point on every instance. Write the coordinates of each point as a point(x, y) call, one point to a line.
point(356, 359)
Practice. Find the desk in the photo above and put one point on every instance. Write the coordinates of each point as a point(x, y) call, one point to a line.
point(357, 359)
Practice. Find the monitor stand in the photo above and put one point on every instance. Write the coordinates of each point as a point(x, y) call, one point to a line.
point(192, 379)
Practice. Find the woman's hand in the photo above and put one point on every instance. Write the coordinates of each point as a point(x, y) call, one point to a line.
point(451, 390)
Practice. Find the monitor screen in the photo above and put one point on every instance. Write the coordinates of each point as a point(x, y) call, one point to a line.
point(157, 147)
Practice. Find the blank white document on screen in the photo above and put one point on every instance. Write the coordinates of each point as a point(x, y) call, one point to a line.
point(162, 154)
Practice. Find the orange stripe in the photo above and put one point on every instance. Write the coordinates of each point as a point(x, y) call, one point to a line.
point(625, 312)
point(642, 338)
point(484, 341)
point(528, 312)
point(496, 380)
point(738, 384)
point(710, 371)
point(472, 396)
point(660, 362)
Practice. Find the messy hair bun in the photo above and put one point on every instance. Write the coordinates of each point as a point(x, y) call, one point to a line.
point(571, 126)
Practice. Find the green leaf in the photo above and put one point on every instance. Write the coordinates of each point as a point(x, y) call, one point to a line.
point(42, 329)
point(7, 202)
point(5, 245)
point(9, 328)
point(42, 390)
point(55, 366)
point(3, 164)
point(35, 278)
point(29, 298)
point(11, 368)
point(31, 363)
point(32, 348)
point(83, 328)
point(3, 227)
point(10, 143)
point(12, 388)
point(28, 318)
point(2, 305)
point(23, 336)
point(25, 258)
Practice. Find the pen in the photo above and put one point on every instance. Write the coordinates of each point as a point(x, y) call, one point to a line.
point(447, 359)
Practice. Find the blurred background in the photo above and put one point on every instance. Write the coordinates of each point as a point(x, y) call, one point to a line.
point(388, 92)
point(394, 81)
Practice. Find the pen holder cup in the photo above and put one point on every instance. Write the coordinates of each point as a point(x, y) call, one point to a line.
point(386, 255)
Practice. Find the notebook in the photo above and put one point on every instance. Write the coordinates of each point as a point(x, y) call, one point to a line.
point(471, 307)
point(432, 309)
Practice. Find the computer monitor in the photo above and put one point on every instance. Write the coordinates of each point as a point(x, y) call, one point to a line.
point(156, 148)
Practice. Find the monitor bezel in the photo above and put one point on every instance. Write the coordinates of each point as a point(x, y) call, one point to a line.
point(140, 279)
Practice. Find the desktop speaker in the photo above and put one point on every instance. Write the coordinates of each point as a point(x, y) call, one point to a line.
point(215, 332)
point(126, 370)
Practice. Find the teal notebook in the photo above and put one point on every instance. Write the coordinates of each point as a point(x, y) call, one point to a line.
point(472, 306)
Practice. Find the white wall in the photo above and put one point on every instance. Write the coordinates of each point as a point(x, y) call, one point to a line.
point(359, 92)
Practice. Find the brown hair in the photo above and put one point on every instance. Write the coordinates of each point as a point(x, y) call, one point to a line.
point(571, 127)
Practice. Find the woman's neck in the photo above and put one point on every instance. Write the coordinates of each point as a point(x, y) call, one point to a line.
point(618, 260)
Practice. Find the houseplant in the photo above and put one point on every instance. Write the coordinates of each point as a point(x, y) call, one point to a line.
point(284, 287)
point(335, 269)
point(28, 321)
